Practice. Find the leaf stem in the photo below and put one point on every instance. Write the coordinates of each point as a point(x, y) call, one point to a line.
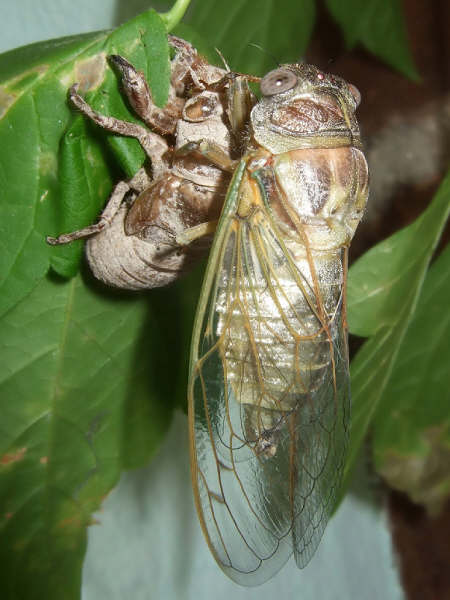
point(175, 14)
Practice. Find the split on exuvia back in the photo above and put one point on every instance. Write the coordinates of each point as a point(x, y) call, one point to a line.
point(275, 188)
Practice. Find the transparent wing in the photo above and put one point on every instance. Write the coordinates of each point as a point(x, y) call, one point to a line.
point(268, 394)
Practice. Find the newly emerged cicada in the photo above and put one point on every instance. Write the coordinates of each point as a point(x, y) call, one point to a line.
point(269, 397)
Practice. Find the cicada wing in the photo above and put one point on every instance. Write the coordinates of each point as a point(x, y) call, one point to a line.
point(322, 439)
point(243, 500)
point(263, 416)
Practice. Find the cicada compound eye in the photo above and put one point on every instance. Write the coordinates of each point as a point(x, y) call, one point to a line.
point(275, 82)
point(355, 93)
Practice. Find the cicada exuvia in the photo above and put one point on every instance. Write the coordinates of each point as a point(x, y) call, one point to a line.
point(269, 398)
point(135, 245)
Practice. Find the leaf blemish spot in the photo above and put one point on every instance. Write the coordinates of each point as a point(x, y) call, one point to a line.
point(89, 74)
point(6, 99)
point(48, 164)
point(6, 459)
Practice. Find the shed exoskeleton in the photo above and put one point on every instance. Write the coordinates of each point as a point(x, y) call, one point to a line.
point(192, 145)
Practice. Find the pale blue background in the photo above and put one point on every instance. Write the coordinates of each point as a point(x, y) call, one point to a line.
point(148, 544)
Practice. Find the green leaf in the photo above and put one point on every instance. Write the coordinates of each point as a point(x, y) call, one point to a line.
point(80, 399)
point(379, 279)
point(21, 67)
point(33, 117)
point(379, 26)
point(28, 177)
point(281, 27)
point(82, 387)
point(396, 270)
point(411, 435)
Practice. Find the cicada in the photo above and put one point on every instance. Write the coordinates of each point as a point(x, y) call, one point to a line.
point(135, 243)
point(269, 397)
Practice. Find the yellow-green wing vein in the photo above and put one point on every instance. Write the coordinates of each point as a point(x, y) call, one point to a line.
point(268, 396)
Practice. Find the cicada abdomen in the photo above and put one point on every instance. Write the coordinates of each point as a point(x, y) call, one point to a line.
point(269, 391)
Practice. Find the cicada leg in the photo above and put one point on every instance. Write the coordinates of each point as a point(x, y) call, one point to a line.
point(163, 120)
point(240, 100)
point(209, 150)
point(190, 70)
point(184, 64)
point(188, 236)
point(153, 145)
point(138, 183)
point(240, 103)
point(262, 428)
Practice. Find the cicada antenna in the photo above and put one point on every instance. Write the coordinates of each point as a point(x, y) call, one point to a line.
point(231, 74)
point(266, 52)
point(222, 58)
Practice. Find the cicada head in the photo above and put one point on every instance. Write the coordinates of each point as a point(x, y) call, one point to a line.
point(303, 107)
